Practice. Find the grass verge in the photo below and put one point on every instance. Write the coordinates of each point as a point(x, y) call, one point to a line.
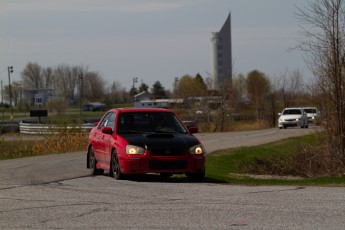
point(68, 141)
point(269, 164)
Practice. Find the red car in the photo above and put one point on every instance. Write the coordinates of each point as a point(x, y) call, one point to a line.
point(145, 140)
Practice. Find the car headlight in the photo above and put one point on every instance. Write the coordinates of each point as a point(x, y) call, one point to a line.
point(132, 149)
point(197, 149)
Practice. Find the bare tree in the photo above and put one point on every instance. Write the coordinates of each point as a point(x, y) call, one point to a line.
point(67, 80)
point(114, 93)
point(32, 76)
point(228, 95)
point(324, 44)
point(290, 86)
point(272, 101)
point(48, 75)
point(60, 81)
point(94, 86)
point(258, 87)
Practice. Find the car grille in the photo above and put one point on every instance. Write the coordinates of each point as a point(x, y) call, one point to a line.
point(155, 164)
point(290, 119)
point(167, 152)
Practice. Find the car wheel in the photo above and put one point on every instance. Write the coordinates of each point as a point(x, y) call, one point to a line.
point(93, 162)
point(196, 177)
point(115, 170)
point(285, 126)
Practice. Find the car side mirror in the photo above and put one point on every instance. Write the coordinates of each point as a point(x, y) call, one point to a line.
point(193, 129)
point(107, 130)
point(279, 114)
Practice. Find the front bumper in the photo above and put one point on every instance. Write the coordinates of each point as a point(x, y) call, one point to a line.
point(187, 163)
point(288, 123)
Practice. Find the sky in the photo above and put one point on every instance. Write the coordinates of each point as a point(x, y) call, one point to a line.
point(151, 40)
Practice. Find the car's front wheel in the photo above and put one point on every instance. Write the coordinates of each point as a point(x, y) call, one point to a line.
point(115, 170)
point(93, 162)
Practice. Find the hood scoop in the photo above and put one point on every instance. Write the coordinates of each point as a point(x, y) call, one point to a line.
point(160, 136)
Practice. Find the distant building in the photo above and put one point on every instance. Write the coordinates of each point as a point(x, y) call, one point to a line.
point(154, 103)
point(145, 100)
point(144, 95)
point(222, 55)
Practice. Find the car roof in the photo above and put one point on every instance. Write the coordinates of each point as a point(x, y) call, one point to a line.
point(135, 110)
point(293, 108)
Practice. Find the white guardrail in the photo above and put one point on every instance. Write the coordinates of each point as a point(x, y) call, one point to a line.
point(36, 128)
point(32, 128)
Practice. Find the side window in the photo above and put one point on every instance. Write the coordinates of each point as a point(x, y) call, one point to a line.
point(111, 121)
point(104, 121)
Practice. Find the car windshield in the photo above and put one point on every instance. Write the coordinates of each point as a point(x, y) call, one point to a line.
point(310, 110)
point(149, 122)
point(292, 111)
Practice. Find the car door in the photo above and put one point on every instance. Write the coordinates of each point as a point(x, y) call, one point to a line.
point(106, 141)
point(98, 137)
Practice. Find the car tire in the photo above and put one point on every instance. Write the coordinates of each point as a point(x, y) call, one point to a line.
point(196, 177)
point(285, 126)
point(93, 162)
point(115, 170)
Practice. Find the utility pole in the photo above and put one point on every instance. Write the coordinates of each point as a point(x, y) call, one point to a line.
point(133, 91)
point(2, 102)
point(135, 80)
point(10, 70)
point(81, 92)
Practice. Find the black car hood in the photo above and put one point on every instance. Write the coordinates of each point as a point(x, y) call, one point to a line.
point(159, 141)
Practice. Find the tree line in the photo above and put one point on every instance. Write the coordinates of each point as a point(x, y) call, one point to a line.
point(267, 95)
point(71, 83)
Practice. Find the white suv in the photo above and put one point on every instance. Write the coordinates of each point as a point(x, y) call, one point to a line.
point(290, 117)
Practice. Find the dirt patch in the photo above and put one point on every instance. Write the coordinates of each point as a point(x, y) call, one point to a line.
point(267, 177)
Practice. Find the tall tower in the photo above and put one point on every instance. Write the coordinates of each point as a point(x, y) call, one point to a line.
point(222, 55)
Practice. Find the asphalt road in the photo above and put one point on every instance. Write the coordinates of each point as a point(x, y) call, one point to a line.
point(57, 192)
